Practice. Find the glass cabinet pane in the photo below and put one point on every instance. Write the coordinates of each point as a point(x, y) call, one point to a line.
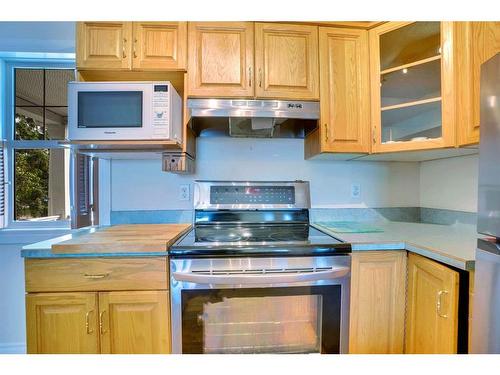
point(411, 84)
point(414, 42)
point(412, 123)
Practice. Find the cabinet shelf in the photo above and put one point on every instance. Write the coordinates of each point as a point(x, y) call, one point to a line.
point(137, 145)
point(420, 134)
point(412, 64)
point(411, 104)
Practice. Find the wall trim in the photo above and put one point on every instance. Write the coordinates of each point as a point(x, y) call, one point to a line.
point(13, 348)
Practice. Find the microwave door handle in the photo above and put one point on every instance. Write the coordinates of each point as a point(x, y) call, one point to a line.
point(264, 278)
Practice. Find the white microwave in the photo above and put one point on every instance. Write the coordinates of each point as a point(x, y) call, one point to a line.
point(124, 111)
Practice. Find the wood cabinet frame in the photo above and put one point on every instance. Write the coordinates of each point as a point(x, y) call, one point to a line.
point(334, 131)
point(447, 92)
point(265, 58)
point(129, 47)
point(378, 295)
point(431, 318)
point(244, 87)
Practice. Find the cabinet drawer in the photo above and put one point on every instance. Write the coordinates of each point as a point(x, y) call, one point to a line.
point(52, 275)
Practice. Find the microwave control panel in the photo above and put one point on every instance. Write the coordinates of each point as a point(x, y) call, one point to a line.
point(161, 100)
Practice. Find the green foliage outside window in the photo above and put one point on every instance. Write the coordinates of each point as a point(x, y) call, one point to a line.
point(31, 172)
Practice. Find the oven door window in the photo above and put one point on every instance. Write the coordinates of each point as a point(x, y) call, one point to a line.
point(262, 320)
point(110, 109)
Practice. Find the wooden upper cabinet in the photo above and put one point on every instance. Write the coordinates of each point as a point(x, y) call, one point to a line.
point(479, 41)
point(159, 45)
point(286, 61)
point(432, 312)
point(412, 86)
point(134, 322)
point(103, 45)
point(62, 323)
point(378, 292)
point(345, 92)
point(220, 59)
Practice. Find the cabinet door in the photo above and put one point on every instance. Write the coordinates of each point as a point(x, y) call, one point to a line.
point(345, 93)
point(103, 45)
point(412, 86)
point(378, 281)
point(286, 61)
point(62, 323)
point(480, 42)
point(220, 59)
point(134, 322)
point(432, 314)
point(159, 45)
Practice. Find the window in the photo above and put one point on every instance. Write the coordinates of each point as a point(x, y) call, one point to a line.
point(41, 175)
point(41, 103)
point(38, 167)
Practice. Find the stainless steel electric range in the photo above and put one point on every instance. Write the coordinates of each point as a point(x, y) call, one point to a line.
point(253, 276)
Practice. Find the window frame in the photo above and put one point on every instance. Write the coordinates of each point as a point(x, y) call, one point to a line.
point(28, 61)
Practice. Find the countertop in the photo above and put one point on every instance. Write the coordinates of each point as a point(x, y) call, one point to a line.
point(454, 245)
point(111, 241)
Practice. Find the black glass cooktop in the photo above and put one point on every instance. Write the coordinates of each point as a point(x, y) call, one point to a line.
point(254, 239)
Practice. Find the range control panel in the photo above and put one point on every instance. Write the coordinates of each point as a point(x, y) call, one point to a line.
point(252, 195)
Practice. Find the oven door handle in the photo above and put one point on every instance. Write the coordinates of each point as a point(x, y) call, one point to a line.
point(264, 278)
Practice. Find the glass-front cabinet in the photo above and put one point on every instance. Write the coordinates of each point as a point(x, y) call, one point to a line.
point(412, 81)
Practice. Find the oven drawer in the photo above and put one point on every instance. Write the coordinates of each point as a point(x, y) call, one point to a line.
point(96, 274)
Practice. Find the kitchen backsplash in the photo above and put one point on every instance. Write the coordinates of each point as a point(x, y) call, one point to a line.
point(405, 214)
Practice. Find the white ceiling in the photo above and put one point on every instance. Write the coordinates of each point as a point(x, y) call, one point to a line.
point(47, 37)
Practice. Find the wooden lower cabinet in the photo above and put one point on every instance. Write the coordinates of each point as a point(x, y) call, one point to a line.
point(432, 312)
point(134, 322)
point(378, 280)
point(62, 323)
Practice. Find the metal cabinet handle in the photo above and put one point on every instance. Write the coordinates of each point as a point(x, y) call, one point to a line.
point(326, 132)
point(250, 77)
point(95, 276)
point(87, 323)
point(135, 52)
point(260, 77)
point(101, 324)
point(124, 55)
point(439, 303)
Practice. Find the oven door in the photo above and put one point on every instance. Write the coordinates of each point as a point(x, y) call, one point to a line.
point(260, 305)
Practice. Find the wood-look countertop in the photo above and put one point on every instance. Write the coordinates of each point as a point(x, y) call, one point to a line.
point(133, 238)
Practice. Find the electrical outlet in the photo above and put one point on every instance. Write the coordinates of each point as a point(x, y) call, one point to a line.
point(355, 190)
point(184, 192)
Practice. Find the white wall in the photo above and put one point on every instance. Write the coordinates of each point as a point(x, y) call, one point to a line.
point(46, 37)
point(12, 291)
point(141, 185)
point(450, 183)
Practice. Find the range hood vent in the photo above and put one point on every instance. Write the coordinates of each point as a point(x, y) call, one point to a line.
point(253, 118)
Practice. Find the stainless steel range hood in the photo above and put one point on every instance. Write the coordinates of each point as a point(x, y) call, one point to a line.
point(253, 118)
